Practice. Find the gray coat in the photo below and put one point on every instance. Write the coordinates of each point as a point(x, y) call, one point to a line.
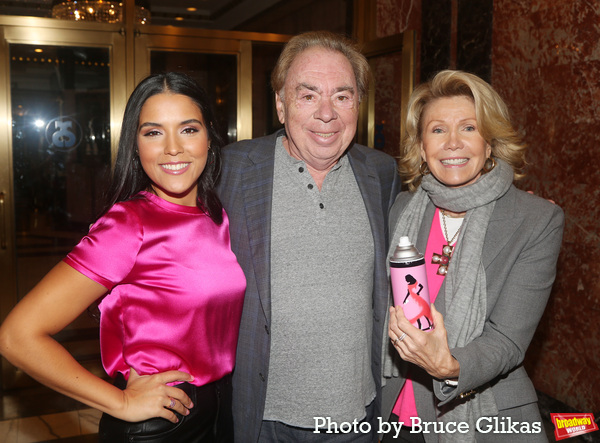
point(246, 189)
point(520, 252)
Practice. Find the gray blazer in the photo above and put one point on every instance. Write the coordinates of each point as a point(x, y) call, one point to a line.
point(246, 189)
point(520, 252)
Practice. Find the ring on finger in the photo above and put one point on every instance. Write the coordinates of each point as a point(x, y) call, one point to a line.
point(395, 342)
point(172, 404)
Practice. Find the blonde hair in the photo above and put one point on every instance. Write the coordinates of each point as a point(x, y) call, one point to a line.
point(493, 121)
point(325, 40)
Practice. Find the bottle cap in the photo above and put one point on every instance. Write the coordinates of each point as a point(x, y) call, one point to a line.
point(405, 251)
point(404, 241)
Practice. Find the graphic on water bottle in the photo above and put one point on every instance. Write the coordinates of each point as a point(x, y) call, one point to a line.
point(418, 306)
point(409, 284)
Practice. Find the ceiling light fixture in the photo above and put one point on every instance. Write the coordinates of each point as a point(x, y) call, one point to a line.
point(104, 11)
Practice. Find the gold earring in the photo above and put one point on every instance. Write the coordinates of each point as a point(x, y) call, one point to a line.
point(424, 168)
point(490, 163)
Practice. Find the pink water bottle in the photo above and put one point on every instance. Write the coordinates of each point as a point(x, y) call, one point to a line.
point(409, 284)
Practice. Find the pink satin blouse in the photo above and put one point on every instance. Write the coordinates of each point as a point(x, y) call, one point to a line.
point(175, 289)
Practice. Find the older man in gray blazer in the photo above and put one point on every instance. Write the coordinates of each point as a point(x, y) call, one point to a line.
point(308, 218)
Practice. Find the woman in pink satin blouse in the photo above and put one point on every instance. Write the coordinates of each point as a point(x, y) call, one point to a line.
point(169, 287)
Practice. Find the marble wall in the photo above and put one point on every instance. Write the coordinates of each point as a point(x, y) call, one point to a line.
point(546, 63)
point(544, 59)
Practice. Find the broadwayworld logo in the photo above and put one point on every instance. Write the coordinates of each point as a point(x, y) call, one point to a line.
point(571, 425)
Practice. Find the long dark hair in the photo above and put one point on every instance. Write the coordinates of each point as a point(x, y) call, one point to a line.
point(128, 176)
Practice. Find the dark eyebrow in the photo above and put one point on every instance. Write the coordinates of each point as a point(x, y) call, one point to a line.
point(192, 120)
point(149, 124)
point(185, 122)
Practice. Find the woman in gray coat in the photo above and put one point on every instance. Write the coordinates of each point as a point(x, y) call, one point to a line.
point(464, 380)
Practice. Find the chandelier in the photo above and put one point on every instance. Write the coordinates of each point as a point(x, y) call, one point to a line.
point(104, 11)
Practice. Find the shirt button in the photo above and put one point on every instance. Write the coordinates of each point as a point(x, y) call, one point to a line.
point(321, 205)
point(300, 169)
point(262, 377)
point(310, 186)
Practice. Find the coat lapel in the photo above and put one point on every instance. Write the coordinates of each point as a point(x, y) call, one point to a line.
point(257, 178)
point(368, 183)
point(505, 220)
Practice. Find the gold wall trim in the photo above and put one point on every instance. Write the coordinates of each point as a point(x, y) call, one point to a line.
point(244, 120)
point(40, 22)
point(7, 299)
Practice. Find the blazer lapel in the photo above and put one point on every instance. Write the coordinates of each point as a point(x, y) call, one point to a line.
point(257, 178)
point(503, 223)
point(370, 189)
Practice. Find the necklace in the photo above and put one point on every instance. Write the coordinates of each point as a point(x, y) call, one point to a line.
point(443, 259)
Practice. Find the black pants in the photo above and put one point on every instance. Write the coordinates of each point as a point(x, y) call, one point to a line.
point(209, 421)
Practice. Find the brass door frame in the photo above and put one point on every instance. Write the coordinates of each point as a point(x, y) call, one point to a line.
point(400, 43)
point(33, 31)
point(166, 38)
point(365, 31)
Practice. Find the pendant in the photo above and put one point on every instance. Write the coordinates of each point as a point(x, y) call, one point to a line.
point(442, 260)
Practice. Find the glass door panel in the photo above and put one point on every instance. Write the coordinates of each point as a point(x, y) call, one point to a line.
point(216, 73)
point(264, 115)
point(61, 143)
point(61, 152)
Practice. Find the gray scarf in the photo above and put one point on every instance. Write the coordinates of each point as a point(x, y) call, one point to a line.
point(464, 290)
